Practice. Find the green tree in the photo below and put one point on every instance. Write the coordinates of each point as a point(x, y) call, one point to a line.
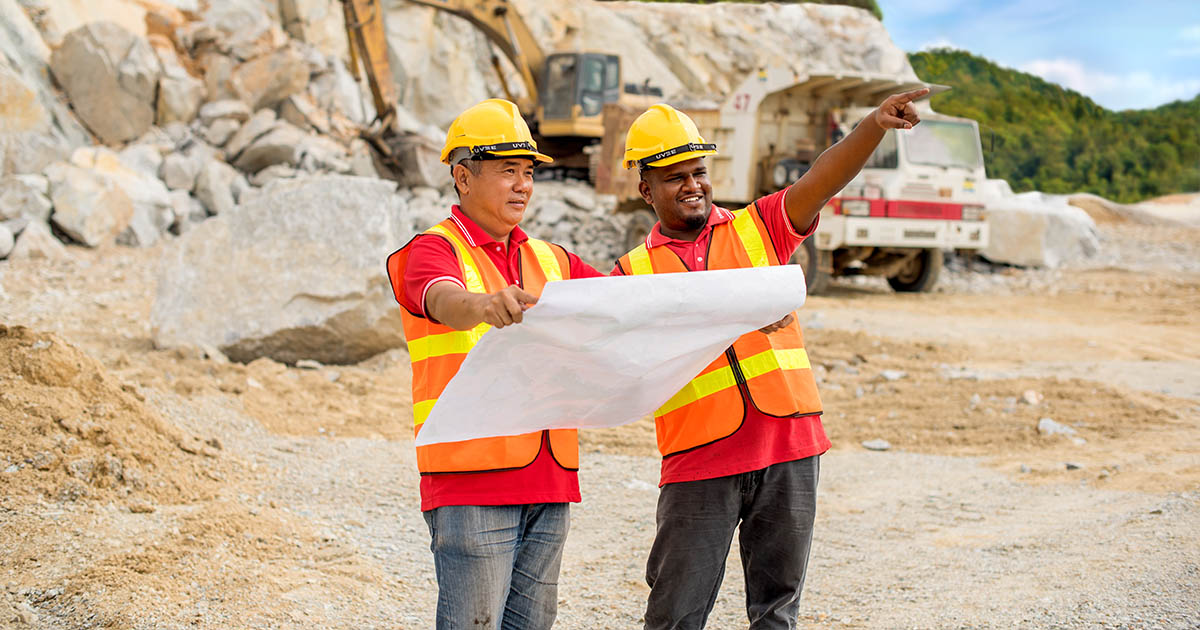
point(1038, 135)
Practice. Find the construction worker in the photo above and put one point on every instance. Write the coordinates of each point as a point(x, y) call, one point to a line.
point(741, 443)
point(497, 508)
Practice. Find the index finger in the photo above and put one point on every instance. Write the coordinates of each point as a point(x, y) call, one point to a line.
point(906, 97)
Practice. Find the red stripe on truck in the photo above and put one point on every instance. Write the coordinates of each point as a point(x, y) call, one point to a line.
point(924, 210)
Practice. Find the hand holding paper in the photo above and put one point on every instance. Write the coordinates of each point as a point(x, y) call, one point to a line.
point(601, 352)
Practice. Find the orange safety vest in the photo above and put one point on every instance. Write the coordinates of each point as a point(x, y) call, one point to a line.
point(771, 372)
point(437, 351)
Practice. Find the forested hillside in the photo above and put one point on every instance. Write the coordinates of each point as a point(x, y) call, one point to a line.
point(1041, 136)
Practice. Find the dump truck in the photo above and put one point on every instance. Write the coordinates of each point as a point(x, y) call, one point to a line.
point(916, 196)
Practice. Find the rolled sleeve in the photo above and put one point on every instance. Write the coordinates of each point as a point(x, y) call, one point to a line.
point(779, 226)
point(431, 260)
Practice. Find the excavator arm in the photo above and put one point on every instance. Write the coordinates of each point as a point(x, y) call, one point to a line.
point(506, 29)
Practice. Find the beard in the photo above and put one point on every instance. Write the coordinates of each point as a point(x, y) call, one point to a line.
point(696, 222)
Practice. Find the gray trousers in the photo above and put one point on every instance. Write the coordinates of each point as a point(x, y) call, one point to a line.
point(775, 508)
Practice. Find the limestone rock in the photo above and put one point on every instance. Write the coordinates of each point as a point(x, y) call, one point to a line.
point(260, 123)
point(179, 171)
point(146, 159)
point(36, 242)
point(281, 145)
point(179, 93)
point(1036, 230)
point(20, 109)
point(20, 198)
point(302, 111)
point(214, 186)
point(220, 131)
point(26, 54)
point(88, 207)
point(188, 211)
point(110, 76)
point(265, 81)
point(228, 108)
point(30, 152)
point(317, 22)
point(272, 279)
point(7, 240)
point(152, 212)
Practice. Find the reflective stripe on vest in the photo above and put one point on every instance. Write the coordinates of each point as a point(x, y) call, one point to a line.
point(437, 351)
point(774, 368)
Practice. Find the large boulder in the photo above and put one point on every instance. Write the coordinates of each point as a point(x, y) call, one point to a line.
point(267, 80)
point(179, 93)
point(295, 273)
point(1038, 230)
point(88, 207)
point(214, 186)
point(24, 196)
point(36, 242)
point(23, 52)
point(153, 212)
point(317, 22)
point(111, 77)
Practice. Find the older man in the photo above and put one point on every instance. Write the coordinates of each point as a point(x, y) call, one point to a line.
point(741, 443)
point(497, 508)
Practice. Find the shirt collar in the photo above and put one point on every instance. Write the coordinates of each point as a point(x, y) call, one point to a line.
point(476, 237)
point(716, 216)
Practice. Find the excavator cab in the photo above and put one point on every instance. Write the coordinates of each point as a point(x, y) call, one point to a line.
point(575, 88)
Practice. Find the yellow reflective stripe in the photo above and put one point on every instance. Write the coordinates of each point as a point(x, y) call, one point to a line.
point(639, 261)
point(470, 272)
point(421, 411)
point(751, 238)
point(771, 360)
point(454, 342)
point(546, 259)
point(699, 387)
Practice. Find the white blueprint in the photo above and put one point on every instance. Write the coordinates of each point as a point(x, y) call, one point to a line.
point(600, 352)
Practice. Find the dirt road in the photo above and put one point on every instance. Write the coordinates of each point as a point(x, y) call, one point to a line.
point(142, 488)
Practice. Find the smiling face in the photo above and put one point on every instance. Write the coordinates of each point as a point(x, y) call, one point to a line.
point(681, 196)
point(496, 194)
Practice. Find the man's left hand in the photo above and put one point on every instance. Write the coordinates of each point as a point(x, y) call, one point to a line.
point(898, 112)
point(779, 325)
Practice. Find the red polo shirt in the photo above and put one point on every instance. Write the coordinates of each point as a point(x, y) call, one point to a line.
point(433, 260)
point(762, 440)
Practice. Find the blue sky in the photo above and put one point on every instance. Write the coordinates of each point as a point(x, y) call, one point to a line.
point(1122, 54)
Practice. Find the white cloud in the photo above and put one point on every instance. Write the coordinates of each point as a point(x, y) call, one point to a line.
point(1134, 90)
point(1191, 47)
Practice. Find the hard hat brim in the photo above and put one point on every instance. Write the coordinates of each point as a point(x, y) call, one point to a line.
point(674, 159)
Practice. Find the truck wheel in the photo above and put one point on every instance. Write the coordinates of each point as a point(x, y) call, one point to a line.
point(920, 274)
point(640, 223)
point(807, 257)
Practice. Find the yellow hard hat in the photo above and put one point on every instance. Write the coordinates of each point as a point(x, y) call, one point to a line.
point(662, 136)
point(493, 127)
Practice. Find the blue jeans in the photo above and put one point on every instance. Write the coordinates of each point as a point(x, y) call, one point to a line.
point(773, 511)
point(497, 566)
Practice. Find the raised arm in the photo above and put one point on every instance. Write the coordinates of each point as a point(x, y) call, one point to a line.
point(838, 164)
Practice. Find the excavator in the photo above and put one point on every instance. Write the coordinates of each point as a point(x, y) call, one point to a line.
point(564, 93)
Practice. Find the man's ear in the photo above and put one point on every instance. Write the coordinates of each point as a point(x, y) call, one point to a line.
point(644, 190)
point(462, 179)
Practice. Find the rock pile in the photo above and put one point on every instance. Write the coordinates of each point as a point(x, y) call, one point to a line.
point(163, 126)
